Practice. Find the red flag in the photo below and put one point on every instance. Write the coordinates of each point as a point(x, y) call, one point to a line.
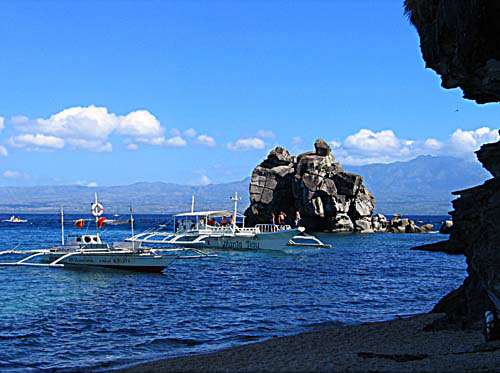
point(79, 223)
point(101, 222)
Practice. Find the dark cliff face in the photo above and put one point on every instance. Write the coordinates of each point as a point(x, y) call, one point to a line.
point(460, 41)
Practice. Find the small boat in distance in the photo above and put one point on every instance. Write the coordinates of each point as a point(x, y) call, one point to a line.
point(225, 230)
point(14, 219)
point(89, 250)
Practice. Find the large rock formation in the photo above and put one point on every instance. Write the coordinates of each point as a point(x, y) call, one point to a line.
point(459, 40)
point(327, 198)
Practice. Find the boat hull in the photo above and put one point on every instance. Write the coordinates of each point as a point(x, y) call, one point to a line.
point(135, 262)
point(259, 241)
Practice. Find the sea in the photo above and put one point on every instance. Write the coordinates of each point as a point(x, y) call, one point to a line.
point(91, 320)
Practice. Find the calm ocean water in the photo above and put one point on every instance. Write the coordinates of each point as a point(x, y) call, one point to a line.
point(60, 319)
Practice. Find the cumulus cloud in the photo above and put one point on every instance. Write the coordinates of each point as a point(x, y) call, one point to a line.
point(3, 151)
point(245, 144)
point(190, 132)
point(176, 142)
point(206, 140)
point(469, 141)
point(367, 146)
point(89, 128)
point(266, 134)
point(37, 141)
point(2, 123)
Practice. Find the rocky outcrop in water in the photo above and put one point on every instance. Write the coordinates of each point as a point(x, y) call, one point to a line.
point(459, 40)
point(327, 198)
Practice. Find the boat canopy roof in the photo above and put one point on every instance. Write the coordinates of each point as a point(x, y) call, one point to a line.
point(208, 213)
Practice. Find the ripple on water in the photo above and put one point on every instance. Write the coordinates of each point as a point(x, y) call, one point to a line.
point(83, 319)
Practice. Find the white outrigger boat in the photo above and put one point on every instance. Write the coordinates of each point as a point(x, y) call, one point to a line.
point(89, 250)
point(213, 230)
point(14, 219)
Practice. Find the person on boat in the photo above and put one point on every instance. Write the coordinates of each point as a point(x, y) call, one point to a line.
point(223, 221)
point(231, 220)
point(297, 218)
point(210, 221)
point(281, 218)
point(273, 222)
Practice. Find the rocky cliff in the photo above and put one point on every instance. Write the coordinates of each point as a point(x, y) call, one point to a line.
point(312, 183)
point(459, 40)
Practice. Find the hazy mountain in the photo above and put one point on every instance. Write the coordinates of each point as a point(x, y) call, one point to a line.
point(420, 186)
point(154, 197)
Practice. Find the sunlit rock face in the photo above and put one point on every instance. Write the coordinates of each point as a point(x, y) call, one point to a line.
point(460, 41)
point(327, 198)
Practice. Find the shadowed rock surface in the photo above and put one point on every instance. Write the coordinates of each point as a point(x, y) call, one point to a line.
point(459, 40)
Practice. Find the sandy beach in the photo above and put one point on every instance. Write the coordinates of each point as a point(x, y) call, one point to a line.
point(390, 346)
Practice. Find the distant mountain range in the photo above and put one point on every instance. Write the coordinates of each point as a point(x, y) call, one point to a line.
point(420, 186)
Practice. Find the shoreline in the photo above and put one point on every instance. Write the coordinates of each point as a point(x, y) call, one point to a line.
point(389, 346)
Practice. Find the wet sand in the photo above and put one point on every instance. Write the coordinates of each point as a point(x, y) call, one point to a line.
point(390, 346)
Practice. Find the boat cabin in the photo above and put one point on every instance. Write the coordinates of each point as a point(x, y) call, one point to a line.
point(89, 241)
point(206, 220)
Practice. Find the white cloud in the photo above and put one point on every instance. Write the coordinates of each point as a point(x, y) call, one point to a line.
point(19, 119)
point(206, 140)
point(176, 142)
point(190, 132)
point(152, 140)
point(266, 134)
point(10, 174)
point(91, 145)
point(132, 146)
point(37, 141)
point(2, 123)
point(89, 128)
point(3, 151)
point(140, 123)
point(367, 146)
point(245, 144)
point(175, 132)
point(470, 141)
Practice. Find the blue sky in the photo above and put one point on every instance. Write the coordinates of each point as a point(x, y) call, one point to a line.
point(114, 92)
